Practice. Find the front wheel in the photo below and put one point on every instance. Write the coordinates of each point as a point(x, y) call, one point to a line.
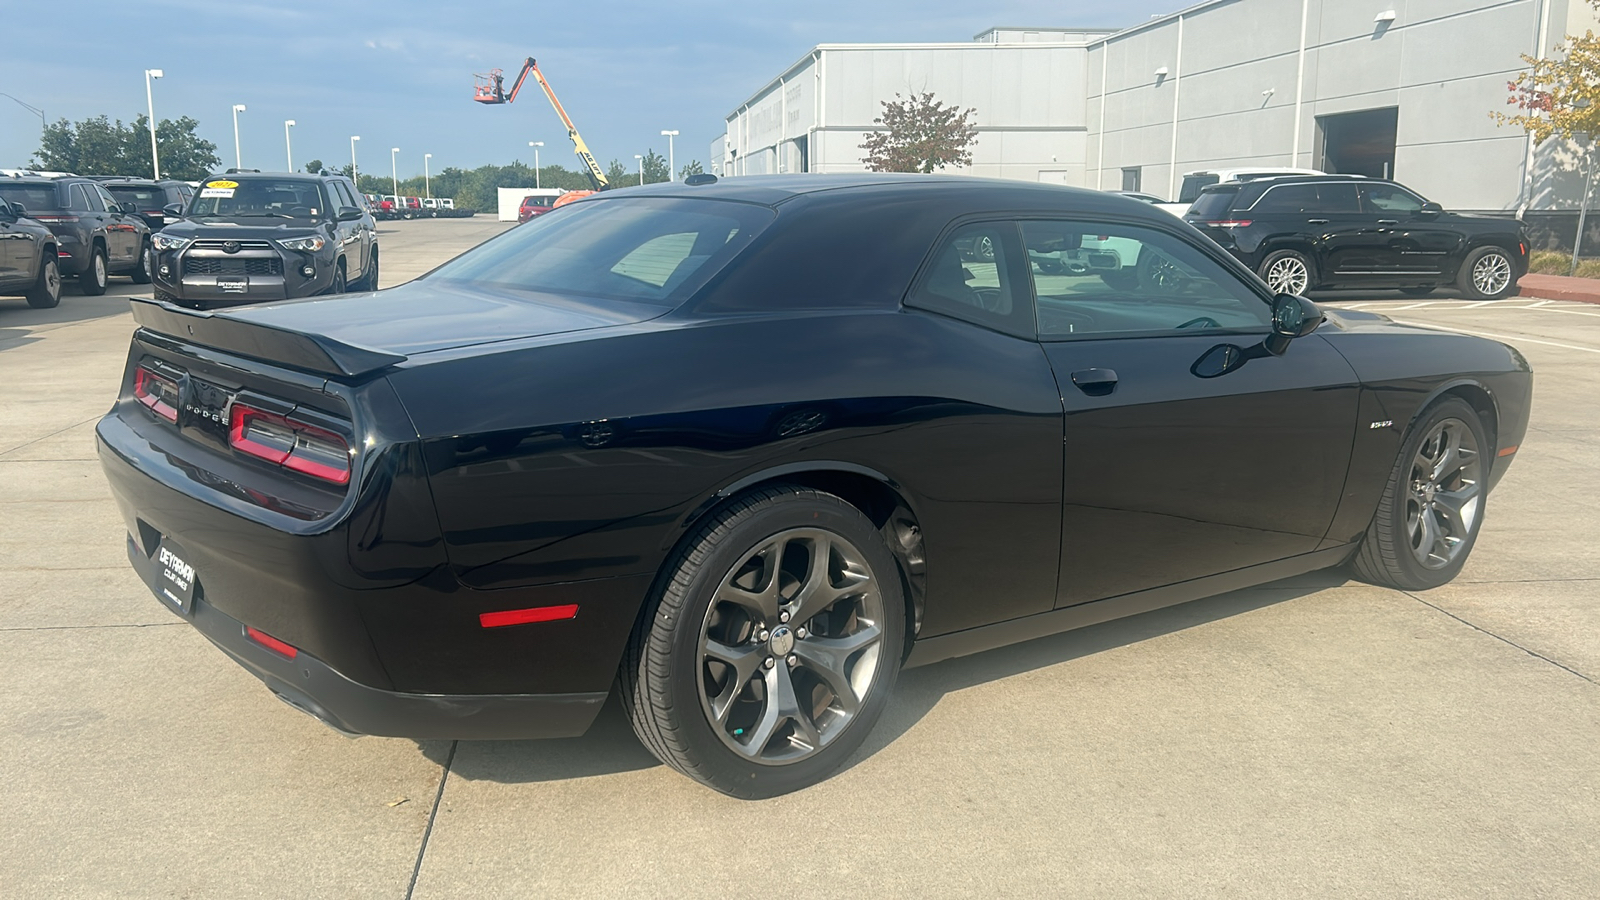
point(1432, 506)
point(772, 646)
point(1487, 274)
point(145, 272)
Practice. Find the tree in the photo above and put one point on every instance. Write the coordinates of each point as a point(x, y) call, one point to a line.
point(314, 166)
point(184, 155)
point(920, 135)
point(655, 168)
point(1558, 96)
point(99, 146)
point(692, 167)
point(618, 175)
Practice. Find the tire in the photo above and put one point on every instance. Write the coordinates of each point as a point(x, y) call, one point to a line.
point(92, 280)
point(1487, 274)
point(1417, 291)
point(1288, 272)
point(144, 272)
point(369, 281)
point(46, 292)
point(673, 677)
point(1389, 554)
point(339, 286)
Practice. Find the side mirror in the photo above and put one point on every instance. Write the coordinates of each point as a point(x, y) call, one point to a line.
point(173, 210)
point(128, 208)
point(8, 212)
point(1292, 317)
point(349, 214)
point(1430, 209)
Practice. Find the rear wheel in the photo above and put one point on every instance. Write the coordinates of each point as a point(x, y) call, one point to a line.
point(1288, 272)
point(772, 646)
point(46, 292)
point(1432, 507)
point(145, 271)
point(1487, 274)
point(92, 280)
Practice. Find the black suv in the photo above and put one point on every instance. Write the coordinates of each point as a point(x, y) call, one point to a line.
point(1300, 233)
point(97, 236)
point(248, 237)
point(150, 197)
point(28, 259)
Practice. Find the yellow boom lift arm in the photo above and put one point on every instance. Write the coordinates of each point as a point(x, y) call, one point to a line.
point(491, 89)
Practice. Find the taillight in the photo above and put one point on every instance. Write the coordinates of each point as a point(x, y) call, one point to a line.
point(53, 220)
point(284, 442)
point(157, 393)
point(1232, 223)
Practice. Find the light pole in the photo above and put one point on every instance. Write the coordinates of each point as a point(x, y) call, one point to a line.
point(355, 174)
point(1582, 103)
point(238, 158)
point(641, 168)
point(394, 174)
point(150, 102)
point(671, 164)
point(427, 186)
point(536, 145)
point(288, 149)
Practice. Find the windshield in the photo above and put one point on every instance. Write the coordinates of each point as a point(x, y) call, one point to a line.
point(1193, 183)
point(34, 197)
point(264, 198)
point(646, 250)
point(149, 199)
point(1213, 204)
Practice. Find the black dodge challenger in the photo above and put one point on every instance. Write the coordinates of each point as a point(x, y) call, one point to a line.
point(742, 450)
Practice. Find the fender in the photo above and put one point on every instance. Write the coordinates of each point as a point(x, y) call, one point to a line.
point(774, 472)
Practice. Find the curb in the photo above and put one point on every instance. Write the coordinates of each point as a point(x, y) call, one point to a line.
point(1559, 287)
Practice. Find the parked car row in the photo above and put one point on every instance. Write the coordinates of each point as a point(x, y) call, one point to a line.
point(391, 206)
point(94, 235)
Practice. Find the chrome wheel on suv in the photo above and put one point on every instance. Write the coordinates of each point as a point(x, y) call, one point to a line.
point(1287, 272)
point(1491, 273)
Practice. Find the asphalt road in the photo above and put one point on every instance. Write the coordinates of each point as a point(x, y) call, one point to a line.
point(1313, 737)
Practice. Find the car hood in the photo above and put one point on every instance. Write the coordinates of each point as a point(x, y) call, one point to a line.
point(244, 229)
point(429, 315)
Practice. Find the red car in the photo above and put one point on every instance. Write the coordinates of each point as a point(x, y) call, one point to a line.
point(531, 206)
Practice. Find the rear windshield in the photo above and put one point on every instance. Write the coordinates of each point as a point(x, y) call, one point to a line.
point(35, 197)
point(647, 250)
point(1213, 204)
point(1192, 185)
point(263, 198)
point(148, 199)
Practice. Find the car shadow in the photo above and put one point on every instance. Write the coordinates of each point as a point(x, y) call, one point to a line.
point(610, 746)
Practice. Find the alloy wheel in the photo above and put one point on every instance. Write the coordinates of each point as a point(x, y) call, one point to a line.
point(1491, 274)
point(789, 646)
point(1445, 494)
point(1288, 276)
point(147, 263)
point(99, 269)
point(52, 280)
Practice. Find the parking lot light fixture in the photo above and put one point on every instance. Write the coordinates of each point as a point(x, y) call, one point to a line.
point(150, 103)
point(355, 173)
point(669, 135)
point(288, 148)
point(238, 157)
point(641, 168)
point(427, 186)
point(394, 174)
point(536, 145)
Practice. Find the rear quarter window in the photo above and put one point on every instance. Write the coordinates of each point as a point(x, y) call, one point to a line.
point(34, 197)
point(1213, 204)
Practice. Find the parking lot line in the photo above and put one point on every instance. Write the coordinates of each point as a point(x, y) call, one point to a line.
point(1499, 337)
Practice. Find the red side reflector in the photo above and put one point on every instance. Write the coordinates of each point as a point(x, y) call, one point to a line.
point(270, 642)
point(524, 616)
point(1507, 451)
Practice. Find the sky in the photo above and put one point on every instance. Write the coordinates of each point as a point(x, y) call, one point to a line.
point(399, 73)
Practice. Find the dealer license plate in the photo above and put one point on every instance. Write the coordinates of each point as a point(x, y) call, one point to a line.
point(174, 577)
point(233, 285)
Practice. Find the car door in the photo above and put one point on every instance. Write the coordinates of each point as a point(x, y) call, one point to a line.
point(1167, 475)
point(15, 241)
point(125, 226)
point(1412, 241)
point(1328, 216)
point(357, 238)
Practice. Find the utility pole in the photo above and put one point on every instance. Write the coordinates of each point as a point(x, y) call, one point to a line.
point(672, 171)
point(150, 103)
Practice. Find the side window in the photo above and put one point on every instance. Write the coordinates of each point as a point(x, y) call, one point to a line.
point(1100, 280)
point(1288, 198)
point(973, 277)
point(1338, 198)
point(111, 203)
point(1388, 198)
point(343, 195)
point(86, 200)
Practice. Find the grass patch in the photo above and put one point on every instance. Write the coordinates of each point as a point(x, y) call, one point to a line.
point(1549, 262)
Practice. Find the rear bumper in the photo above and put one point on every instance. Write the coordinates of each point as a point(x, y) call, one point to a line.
point(319, 690)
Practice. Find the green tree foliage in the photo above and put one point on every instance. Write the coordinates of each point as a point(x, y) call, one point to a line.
point(478, 188)
point(655, 168)
point(692, 167)
point(618, 175)
point(1559, 96)
point(314, 166)
point(99, 146)
point(920, 135)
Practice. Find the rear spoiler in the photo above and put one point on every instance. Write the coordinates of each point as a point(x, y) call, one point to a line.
point(294, 349)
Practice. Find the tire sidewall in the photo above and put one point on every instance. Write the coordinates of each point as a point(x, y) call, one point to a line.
point(721, 766)
point(145, 271)
point(96, 276)
point(1469, 287)
point(41, 296)
point(1446, 408)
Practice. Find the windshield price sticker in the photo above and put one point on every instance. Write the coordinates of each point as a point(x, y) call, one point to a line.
point(228, 185)
point(216, 192)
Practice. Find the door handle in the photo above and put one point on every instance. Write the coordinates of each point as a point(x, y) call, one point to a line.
point(1317, 221)
point(1095, 382)
point(1388, 221)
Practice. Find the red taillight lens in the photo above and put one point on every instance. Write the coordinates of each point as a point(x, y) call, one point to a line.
point(157, 393)
point(1232, 223)
point(294, 445)
point(271, 643)
point(53, 220)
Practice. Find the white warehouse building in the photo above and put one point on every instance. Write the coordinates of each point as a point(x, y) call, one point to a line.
point(1402, 88)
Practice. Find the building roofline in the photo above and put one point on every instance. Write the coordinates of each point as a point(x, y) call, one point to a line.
point(1044, 28)
point(1156, 21)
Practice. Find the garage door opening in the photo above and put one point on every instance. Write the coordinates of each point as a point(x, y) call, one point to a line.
point(1358, 143)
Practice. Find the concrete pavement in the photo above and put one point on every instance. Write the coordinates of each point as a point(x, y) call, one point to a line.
point(1314, 737)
